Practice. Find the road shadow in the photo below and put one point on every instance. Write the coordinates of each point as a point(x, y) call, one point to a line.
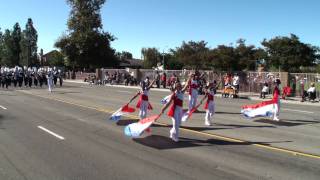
point(243, 126)
point(165, 143)
point(236, 113)
point(66, 92)
point(125, 122)
point(1, 121)
point(287, 123)
point(206, 128)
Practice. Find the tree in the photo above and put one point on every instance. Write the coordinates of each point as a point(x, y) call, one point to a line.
point(224, 58)
point(7, 52)
point(87, 45)
point(151, 57)
point(192, 54)
point(1, 46)
point(16, 49)
point(289, 53)
point(55, 58)
point(124, 55)
point(28, 45)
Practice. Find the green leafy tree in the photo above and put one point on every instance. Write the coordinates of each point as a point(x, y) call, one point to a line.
point(55, 58)
point(28, 45)
point(289, 53)
point(192, 54)
point(7, 52)
point(224, 58)
point(16, 49)
point(151, 57)
point(124, 55)
point(87, 45)
point(1, 46)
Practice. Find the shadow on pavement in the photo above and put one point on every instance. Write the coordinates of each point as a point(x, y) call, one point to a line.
point(1, 121)
point(288, 123)
point(66, 92)
point(205, 128)
point(227, 113)
point(125, 122)
point(163, 143)
point(243, 126)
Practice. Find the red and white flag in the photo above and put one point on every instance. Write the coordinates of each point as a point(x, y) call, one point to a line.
point(187, 115)
point(136, 129)
point(263, 109)
point(126, 109)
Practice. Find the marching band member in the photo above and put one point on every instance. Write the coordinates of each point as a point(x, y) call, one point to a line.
point(276, 97)
point(143, 103)
point(176, 110)
point(193, 91)
point(210, 105)
point(50, 79)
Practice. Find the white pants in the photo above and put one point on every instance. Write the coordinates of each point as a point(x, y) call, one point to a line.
point(277, 110)
point(193, 100)
point(210, 112)
point(143, 109)
point(50, 84)
point(176, 121)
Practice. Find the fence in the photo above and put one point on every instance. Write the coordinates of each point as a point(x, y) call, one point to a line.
point(302, 81)
point(250, 82)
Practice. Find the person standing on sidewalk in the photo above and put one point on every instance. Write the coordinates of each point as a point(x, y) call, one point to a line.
point(157, 79)
point(164, 80)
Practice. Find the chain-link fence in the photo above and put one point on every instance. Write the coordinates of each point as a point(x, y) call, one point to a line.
point(250, 82)
point(300, 82)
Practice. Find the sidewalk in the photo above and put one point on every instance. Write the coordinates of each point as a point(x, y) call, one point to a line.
point(250, 96)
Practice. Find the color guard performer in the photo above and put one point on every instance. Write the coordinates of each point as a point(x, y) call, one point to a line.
point(193, 91)
point(176, 109)
point(210, 104)
point(143, 103)
point(276, 97)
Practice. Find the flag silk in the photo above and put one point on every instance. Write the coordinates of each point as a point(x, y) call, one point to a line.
point(136, 129)
point(187, 115)
point(263, 109)
point(166, 99)
point(116, 116)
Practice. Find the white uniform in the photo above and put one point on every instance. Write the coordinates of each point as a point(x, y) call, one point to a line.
point(50, 80)
point(143, 105)
point(210, 109)
point(176, 119)
point(193, 95)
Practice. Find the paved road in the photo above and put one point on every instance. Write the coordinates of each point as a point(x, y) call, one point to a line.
point(66, 135)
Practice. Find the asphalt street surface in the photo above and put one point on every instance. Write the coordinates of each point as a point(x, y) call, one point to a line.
point(67, 135)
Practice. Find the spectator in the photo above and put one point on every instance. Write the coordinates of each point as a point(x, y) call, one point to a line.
point(264, 91)
point(157, 79)
point(236, 82)
point(164, 79)
point(312, 92)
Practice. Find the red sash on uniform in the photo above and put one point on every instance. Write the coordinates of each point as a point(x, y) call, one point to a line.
point(144, 98)
point(210, 98)
point(276, 93)
point(192, 86)
point(176, 102)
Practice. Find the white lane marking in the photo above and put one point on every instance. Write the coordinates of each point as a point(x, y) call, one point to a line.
point(50, 132)
point(125, 92)
point(295, 110)
point(2, 107)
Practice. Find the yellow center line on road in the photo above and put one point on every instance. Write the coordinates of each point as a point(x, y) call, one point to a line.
point(230, 139)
